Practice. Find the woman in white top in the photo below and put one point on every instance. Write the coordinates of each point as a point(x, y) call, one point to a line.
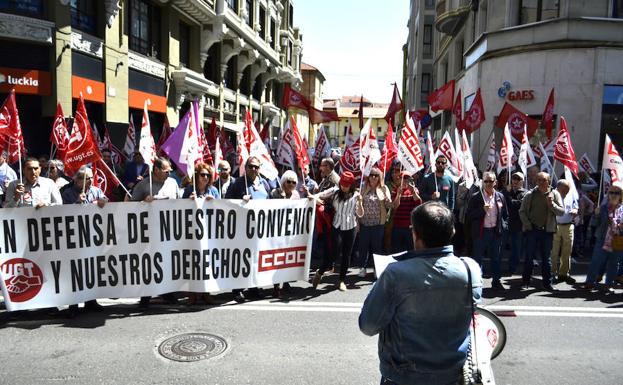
point(343, 200)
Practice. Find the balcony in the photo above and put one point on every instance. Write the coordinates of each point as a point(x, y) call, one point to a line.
point(450, 21)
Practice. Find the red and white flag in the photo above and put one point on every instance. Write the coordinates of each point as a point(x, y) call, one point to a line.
point(459, 152)
point(390, 150)
point(563, 151)
point(293, 98)
point(81, 148)
point(11, 138)
point(369, 152)
point(442, 98)
point(586, 165)
point(475, 116)
point(164, 135)
point(548, 115)
point(59, 136)
point(350, 160)
point(130, 140)
point(350, 137)
point(258, 149)
point(322, 148)
point(409, 150)
point(104, 178)
point(470, 174)
point(506, 151)
point(285, 150)
point(298, 145)
point(457, 111)
point(189, 153)
point(612, 160)
point(491, 156)
point(116, 155)
point(525, 158)
point(146, 144)
point(447, 149)
point(516, 120)
point(546, 165)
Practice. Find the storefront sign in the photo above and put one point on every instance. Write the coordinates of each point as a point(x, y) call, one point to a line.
point(506, 92)
point(25, 81)
point(91, 90)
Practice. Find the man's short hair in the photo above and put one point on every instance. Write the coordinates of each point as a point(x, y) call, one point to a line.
point(433, 223)
point(563, 182)
point(160, 161)
point(251, 158)
point(329, 162)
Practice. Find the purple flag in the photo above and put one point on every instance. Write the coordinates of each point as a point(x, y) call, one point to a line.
point(173, 145)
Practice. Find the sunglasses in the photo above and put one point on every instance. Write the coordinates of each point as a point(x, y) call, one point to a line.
point(203, 175)
point(442, 163)
point(374, 175)
point(290, 182)
point(253, 167)
point(614, 192)
point(489, 181)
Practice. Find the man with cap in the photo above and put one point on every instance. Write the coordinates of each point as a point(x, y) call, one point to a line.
point(513, 195)
point(488, 218)
point(344, 200)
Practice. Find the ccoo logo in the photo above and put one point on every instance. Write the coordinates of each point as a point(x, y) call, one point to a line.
point(22, 279)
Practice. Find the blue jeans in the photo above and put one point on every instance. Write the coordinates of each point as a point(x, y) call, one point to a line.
point(516, 239)
point(402, 240)
point(370, 242)
point(604, 259)
point(538, 245)
point(489, 244)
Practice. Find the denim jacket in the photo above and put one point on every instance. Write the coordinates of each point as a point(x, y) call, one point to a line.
point(421, 311)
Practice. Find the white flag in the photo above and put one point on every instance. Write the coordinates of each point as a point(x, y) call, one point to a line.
point(526, 157)
point(612, 160)
point(146, 144)
point(491, 156)
point(369, 151)
point(258, 149)
point(446, 148)
point(572, 197)
point(322, 147)
point(190, 147)
point(285, 150)
point(130, 139)
point(506, 151)
point(586, 164)
point(470, 174)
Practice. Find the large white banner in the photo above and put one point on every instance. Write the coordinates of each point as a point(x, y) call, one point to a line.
point(68, 254)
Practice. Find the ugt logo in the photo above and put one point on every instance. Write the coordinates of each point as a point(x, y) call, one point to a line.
point(22, 279)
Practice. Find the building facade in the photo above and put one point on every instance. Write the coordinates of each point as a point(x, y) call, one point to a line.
point(230, 55)
point(516, 51)
point(347, 109)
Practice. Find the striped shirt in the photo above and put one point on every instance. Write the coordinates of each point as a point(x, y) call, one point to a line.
point(402, 214)
point(344, 217)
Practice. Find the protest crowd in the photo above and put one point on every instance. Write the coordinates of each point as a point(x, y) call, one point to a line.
point(516, 206)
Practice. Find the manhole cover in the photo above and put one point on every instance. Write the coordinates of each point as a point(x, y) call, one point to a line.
point(191, 347)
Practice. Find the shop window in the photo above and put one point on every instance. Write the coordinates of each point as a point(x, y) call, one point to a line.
point(532, 11)
point(83, 15)
point(428, 40)
point(145, 28)
point(184, 44)
point(22, 7)
point(250, 13)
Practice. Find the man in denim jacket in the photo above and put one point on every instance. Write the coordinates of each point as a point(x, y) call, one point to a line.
point(420, 306)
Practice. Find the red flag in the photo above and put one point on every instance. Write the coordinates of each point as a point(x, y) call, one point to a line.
point(360, 113)
point(475, 116)
point(394, 106)
point(81, 148)
point(317, 116)
point(516, 120)
point(59, 136)
point(442, 98)
point(264, 134)
point(164, 135)
point(563, 151)
point(117, 156)
point(205, 148)
point(350, 160)
point(300, 150)
point(322, 146)
point(11, 138)
point(292, 98)
point(104, 178)
point(212, 134)
point(457, 111)
point(548, 115)
point(390, 151)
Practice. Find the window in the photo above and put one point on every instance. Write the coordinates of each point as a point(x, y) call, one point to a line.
point(263, 21)
point(429, 4)
point(289, 53)
point(24, 7)
point(460, 62)
point(83, 15)
point(250, 13)
point(233, 5)
point(425, 88)
point(532, 11)
point(291, 18)
point(428, 40)
point(617, 9)
point(184, 44)
point(273, 33)
point(145, 28)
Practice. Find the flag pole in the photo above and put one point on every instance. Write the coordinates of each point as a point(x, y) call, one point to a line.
point(553, 172)
point(601, 184)
point(151, 192)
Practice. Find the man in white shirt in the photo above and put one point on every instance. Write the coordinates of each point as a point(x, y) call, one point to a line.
point(36, 191)
point(7, 174)
point(162, 185)
point(563, 237)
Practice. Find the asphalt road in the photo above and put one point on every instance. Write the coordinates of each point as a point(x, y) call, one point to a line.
point(565, 337)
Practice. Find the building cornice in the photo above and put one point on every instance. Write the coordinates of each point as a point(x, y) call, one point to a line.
point(26, 28)
point(86, 43)
point(144, 64)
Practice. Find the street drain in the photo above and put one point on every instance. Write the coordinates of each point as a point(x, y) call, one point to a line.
point(191, 347)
